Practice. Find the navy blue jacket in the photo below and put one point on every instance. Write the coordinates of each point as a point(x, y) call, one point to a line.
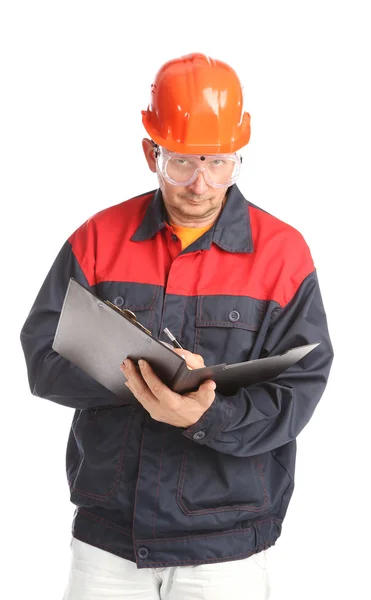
point(157, 494)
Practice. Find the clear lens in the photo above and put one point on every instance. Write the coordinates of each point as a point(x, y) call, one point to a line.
point(219, 170)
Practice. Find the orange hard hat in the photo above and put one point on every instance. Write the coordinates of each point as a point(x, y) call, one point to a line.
point(196, 107)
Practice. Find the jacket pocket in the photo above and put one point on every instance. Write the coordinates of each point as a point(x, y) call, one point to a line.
point(96, 452)
point(141, 298)
point(227, 327)
point(213, 482)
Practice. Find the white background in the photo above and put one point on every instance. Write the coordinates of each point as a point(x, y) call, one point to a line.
point(74, 78)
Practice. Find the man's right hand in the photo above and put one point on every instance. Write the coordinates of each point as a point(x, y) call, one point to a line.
point(193, 361)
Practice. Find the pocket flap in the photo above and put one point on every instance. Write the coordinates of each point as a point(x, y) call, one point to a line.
point(230, 311)
point(131, 295)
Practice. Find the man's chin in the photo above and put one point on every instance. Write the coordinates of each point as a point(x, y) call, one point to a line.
point(196, 202)
point(195, 199)
point(195, 208)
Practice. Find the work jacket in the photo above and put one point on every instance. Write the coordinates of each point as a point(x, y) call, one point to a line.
point(157, 494)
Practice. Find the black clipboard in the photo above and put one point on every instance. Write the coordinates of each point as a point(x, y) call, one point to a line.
point(97, 336)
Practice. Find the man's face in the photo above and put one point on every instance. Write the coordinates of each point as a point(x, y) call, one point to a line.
point(195, 205)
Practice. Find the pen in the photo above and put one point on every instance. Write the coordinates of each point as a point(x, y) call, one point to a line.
point(173, 339)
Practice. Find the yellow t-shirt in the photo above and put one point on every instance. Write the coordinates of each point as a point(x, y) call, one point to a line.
point(188, 235)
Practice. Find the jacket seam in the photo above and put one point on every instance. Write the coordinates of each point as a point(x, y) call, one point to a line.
point(236, 325)
point(210, 560)
point(105, 522)
point(158, 485)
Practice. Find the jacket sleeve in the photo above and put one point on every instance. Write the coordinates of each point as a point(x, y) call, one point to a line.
point(50, 375)
point(265, 416)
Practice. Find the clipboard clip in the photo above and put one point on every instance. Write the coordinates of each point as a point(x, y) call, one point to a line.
point(128, 314)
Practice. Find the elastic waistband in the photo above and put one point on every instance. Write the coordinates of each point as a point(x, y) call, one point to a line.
point(233, 544)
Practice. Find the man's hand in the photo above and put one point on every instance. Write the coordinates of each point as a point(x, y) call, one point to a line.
point(193, 361)
point(161, 402)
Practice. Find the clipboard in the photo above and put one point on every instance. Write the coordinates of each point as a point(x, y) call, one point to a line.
point(97, 336)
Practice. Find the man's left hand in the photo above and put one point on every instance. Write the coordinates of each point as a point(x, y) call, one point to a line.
point(161, 402)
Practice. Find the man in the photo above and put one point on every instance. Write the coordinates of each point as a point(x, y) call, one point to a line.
point(179, 497)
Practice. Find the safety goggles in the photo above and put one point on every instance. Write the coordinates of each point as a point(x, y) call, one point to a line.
point(219, 170)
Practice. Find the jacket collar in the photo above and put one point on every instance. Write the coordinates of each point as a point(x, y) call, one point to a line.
point(231, 231)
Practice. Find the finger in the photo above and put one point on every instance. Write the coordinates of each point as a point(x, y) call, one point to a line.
point(194, 361)
point(159, 390)
point(179, 351)
point(136, 384)
point(205, 394)
point(208, 386)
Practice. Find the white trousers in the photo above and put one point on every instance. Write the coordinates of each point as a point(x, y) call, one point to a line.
point(99, 575)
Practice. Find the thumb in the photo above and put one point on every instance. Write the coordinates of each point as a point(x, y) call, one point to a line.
point(208, 386)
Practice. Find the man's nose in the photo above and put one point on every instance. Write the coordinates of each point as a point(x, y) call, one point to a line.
point(199, 186)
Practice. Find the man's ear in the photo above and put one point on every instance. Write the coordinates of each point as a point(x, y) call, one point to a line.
point(149, 153)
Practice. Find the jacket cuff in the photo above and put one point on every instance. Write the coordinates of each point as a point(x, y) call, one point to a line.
point(214, 420)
